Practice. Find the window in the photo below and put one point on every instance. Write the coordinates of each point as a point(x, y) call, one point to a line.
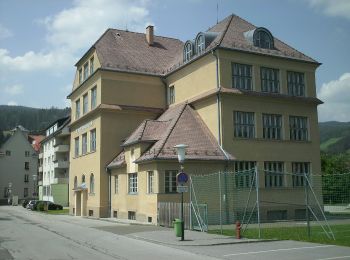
point(93, 140)
point(91, 65)
point(76, 146)
point(8, 153)
point(83, 178)
point(170, 181)
point(270, 80)
point(86, 71)
point(244, 174)
point(272, 125)
point(80, 76)
point(242, 76)
point(26, 165)
point(26, 153)
point(116, 184)
point(244, 124)
point(171, 95)
point(299, 170)
point(132, 183)
point(85, 104)
point(93, 97)
point(84, 144)
point(75, 182)
point(263, 39)
point(132, 215)
point(188, 51)
point(77, 109)
point(273, 174)
point(115, 214)
point(26, 177)
point(200, 44)
point(298, 128)
point(92, 183)
point(295, 83)
point(150, 182)
point(25, 192)
point(91, 212)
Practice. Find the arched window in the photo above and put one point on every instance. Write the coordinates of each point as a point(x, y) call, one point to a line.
point(92, 183)
point(263, 39)
point(200, 44)
point(188, 51)
point(83, 179)
point(75, 182)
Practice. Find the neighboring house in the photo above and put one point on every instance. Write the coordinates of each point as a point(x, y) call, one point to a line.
point(18, 165)
point(54, 163)
point(235, 92)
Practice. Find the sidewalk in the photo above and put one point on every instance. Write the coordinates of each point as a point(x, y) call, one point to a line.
point(192, 238)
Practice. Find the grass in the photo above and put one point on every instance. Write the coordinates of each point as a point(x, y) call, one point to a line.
point(58, 212)
point(329, 142)
point(341, 233)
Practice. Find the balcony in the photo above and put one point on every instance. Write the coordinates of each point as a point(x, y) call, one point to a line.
point(64, 133)
point(41, 155)
point(60, 181)
point(61, 165)
point(40, 169)
point(62, 148)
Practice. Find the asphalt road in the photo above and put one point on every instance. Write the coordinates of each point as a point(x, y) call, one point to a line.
point(31, 235)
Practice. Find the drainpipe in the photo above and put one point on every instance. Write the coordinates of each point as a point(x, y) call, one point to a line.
point(109, 193)
point(166, 91)
point(218, 98)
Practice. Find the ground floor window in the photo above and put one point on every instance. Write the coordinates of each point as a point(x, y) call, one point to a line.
point(132, 215)
point(273, 174)
point(244, 174)
point(299, 170)
point(170, 181)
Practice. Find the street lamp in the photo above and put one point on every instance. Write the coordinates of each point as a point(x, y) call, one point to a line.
point(9, 193)
point(181, 179)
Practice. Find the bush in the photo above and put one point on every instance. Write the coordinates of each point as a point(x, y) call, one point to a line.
point(40, 206)
point(53, 206)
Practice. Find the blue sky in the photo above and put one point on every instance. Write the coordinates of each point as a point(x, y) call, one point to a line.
point(40, 40)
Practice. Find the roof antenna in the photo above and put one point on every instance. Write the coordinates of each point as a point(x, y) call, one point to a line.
point(217, 12)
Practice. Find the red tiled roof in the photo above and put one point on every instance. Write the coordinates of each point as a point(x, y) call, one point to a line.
point(35, 141)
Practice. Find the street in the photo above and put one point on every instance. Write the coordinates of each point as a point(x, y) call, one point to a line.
point(32, 235)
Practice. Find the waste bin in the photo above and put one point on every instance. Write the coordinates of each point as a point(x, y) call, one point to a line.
point(178, 227)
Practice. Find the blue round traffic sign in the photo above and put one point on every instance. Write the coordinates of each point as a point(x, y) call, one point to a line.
point(182, 177)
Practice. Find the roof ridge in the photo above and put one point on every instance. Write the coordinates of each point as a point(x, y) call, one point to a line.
point(116, 29)
point(171, 129)
point(226, 29)
point(143, 130)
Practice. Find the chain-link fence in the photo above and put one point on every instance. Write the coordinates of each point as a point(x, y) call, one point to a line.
point(271, 203)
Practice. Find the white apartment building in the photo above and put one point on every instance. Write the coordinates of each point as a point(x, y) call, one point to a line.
point(54, 163)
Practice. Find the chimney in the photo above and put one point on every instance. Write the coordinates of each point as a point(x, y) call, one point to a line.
point(149, 34)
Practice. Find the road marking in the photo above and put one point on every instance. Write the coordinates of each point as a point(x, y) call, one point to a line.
point(276, 250)
point(336, 257)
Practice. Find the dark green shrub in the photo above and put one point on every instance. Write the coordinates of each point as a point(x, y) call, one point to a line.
point(40, 206)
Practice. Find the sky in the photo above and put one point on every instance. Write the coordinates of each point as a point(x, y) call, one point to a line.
point(41, 40)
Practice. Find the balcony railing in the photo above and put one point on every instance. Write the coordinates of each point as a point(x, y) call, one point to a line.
point(60, 181)
point(62, 148)
point(61, 164)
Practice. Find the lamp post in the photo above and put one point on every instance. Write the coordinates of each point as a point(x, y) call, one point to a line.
point(35, 185)
point(9, 193)
point(181, 179)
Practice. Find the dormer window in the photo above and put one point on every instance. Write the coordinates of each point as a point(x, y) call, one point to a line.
point(188, 51)
point(200, 44)
point(260, 37)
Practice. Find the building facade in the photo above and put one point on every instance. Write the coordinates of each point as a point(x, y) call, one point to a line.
point(18, 166)
point(255, 94)
point(54, 163)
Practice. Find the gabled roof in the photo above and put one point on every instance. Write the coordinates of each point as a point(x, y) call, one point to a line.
point(62, 123)
point(178, 124)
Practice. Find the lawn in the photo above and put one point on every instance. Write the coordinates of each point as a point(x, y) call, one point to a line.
point(57, 212)
point(341, 233)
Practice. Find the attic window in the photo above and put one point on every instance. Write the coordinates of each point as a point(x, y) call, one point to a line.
point(263, 39)
point(200, 44)
point(188, 51)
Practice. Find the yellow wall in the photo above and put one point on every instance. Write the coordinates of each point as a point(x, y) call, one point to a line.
point(194, 79)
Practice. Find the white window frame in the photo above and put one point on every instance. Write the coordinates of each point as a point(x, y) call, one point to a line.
point(93, 140)
point(76, 146)
point(86, 71)
point(84, 143)
point(171, 96)
point(132, 179)
point(170, 181)
point(116, 184)
point(85, 103)
point(150, 182)
point(93, 97)
point(77, 109)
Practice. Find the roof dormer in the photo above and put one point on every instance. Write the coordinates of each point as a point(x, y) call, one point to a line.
point(260, 37)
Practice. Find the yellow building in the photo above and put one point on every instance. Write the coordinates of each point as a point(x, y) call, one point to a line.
point(237, 95)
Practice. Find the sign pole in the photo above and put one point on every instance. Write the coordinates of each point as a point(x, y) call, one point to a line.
point(182, 217)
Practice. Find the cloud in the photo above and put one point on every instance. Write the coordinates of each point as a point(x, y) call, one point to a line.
point(14, 89)
point(12, 103)
point(336, 96)
point(72, 31)
point(5, 32)
point(340, 8)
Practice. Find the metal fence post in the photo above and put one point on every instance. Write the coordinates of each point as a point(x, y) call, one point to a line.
point(190, 205)
point(257, 197)
point(220, 202)
point(307, 205)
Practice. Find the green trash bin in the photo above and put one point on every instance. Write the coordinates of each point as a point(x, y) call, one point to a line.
point(178, 227)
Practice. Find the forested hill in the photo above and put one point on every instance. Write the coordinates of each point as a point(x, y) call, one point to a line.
point(335, 137)
point(33, 119)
